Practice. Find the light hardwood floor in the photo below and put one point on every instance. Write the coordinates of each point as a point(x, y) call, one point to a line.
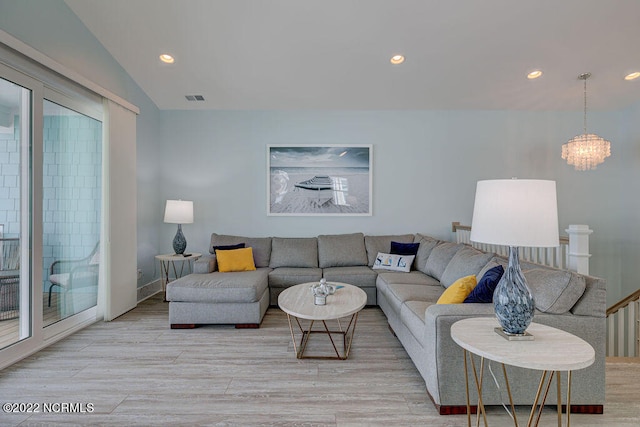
point(137, 371)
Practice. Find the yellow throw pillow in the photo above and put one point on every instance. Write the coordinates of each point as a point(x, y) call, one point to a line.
point(458, 291)
point(235, 260)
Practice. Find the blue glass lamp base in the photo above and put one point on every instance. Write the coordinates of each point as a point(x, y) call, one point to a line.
point(512, 299)
point(179, 242)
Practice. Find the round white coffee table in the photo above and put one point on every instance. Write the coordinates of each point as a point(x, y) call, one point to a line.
point(551, 351)
point(298, 302)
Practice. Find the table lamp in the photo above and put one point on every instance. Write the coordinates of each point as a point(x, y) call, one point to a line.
point(179, 212)
point(515, 212)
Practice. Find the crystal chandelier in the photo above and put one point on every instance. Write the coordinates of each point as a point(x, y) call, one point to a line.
point(586, 151)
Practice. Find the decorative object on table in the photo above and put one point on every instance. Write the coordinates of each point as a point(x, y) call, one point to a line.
point(319, 180)
point(179, 212)
point(320, 292)
point(588, 150)
point(515, 212)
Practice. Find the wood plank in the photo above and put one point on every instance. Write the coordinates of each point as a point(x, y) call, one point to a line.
point(138, 371)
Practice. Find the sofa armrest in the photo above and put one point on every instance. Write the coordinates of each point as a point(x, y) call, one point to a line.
point(204, 265)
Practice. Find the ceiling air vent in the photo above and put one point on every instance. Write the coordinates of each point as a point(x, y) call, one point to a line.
point(194, 97)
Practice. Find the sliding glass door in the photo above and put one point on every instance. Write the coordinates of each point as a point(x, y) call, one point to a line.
point(72, 195)
point(51, 203)
point(15, 213)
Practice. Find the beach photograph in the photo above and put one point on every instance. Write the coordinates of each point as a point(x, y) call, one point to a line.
point(319, 180)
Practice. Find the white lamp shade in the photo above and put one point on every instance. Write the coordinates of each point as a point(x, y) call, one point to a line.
point(516, 212)
point(178, 212)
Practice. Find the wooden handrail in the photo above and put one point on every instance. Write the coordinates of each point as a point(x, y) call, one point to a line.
point(624, 302)
point(455, 226)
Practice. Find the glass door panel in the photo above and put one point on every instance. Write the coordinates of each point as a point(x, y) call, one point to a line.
point(72, 195)
point(15, 143)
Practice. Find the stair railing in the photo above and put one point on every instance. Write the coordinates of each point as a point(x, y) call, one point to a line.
point(623, 327)
point(571, 254)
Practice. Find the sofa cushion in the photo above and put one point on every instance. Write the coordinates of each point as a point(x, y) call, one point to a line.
point(244, 286)
point(341, 250)
point(440, 257)
point(235, 260)
point(554, 291)
point(206, 264)
point(424, 250)
point(393, 262)
point(412, 316)
point(375, 244)
point(283, 277)
point(294, 252)
point(593, 301)
point(398, 293)
point(261, 246)
point(465, 262)
point(458, 291)
point(412, 278)
point(483, 292)
point(361, 276)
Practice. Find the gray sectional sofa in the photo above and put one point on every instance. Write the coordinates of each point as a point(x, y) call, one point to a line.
point(564, 299)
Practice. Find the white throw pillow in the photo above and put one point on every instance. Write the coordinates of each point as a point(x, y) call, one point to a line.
point(393, 262)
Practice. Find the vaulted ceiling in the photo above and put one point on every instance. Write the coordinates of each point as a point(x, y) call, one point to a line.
point(334, 54)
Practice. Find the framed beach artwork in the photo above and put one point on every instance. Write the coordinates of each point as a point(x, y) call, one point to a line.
point(319, 180)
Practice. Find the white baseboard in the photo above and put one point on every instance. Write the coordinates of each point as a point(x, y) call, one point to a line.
point(149, 290)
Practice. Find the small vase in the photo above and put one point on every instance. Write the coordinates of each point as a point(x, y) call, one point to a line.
point(512, 298)
point(179, 242)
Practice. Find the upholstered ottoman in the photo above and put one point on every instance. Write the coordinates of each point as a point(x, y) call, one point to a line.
point(239, 298)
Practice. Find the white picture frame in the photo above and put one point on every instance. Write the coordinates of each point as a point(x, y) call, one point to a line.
point(319, 180)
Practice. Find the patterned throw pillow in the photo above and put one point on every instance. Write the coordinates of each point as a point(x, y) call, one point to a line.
point(393, 262)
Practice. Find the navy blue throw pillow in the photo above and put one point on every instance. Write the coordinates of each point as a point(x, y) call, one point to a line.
point(228, 247)
point(483, 292)
point(404, 248)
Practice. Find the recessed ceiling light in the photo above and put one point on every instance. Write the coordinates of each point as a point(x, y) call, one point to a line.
point(632, 76)
point(397, 59)
point(167, 59)
point(534, 74)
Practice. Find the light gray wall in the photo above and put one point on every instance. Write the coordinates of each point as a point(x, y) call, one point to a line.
point(426, 163)
point(425, 167)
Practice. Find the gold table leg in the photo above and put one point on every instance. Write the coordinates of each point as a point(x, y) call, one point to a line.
point(347, 337)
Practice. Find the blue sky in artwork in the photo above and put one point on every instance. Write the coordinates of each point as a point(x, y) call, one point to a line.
point(339, 156)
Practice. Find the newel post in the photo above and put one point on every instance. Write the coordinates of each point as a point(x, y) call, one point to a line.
point(579, 248)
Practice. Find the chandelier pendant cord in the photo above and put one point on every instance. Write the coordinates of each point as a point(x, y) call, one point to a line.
point(585, 105)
